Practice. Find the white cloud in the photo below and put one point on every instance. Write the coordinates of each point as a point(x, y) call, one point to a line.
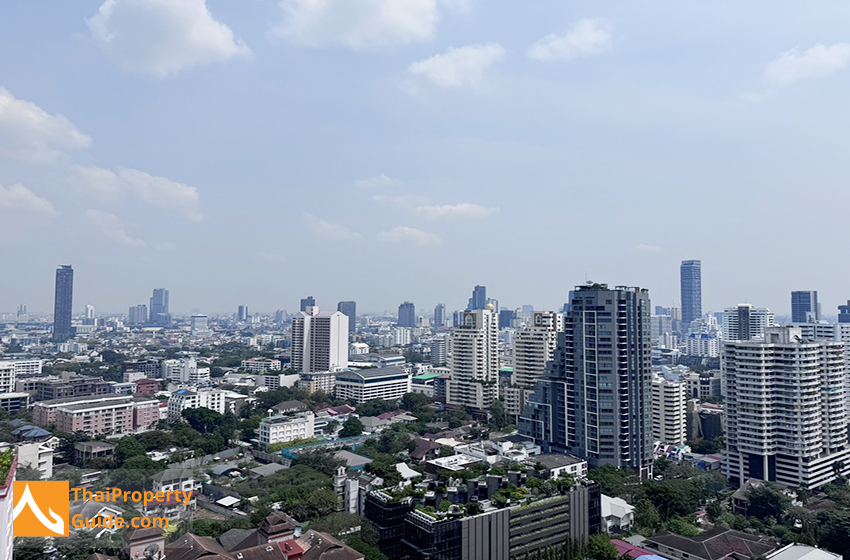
point(401, 200)
point(816, 62)
point(402, 234)
point(30, 134)
point(587, 37)
point(162, 37)
point(328, 230)
point(458, 67)
point(272, 258)
point(18, 198)
point(364, 24)
point(110, 226)
point(644, 248)
point(380, 181)
point(163, 192)
point(461, 210)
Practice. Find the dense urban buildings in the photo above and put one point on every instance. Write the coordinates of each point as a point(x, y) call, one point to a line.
point(746, 322)
point(475, 361)
point(785, 405)
point(63, 304)
point(534, 347)
point(595, 400)
point(691, 288)
point(805, 307)
point(319, 341)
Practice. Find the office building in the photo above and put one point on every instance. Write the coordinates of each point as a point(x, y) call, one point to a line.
point(407, 315)
point(534, 347)
point(785, 405)
point(286, 427)
point(478, 299)
point(63, 304)
point(387, 384)
point(242, 313)
point(474, 361)
point(746, 322)
point(703, 344)
point(159, 315)
point(349, 309)
point(507, 317)
point(308, 301)
point(185, 399)
point(691, 284)
point(439, 351)
point(319, 341)
point(137, 315)
point(440, 315)
point(805, 307)
point(595, 399)
point(668, 411)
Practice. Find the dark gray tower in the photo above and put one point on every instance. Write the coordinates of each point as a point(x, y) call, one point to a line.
point(804, 307)
point(349, 309)
point(691, 277)
point(158, 314)
point(308, 301)
point(594, 401)
point(478, 299)
point(63, 303)
point(440, 315)
point(407, 315)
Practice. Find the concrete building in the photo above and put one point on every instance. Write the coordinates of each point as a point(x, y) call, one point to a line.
point(286, 427)
point(319, 341)
point(407, 315)
point(534, 347)
point(242, 313)
point(200, 325)
point(93, 415)
point(474, 361)
point(440, 315)
point(805, 307)
point(261, 365)
point(595, 400)
point(184, 370)
point(137, 315)
point(439, 351)
point(617, 514)
point(7, 512)
point(702, 385)
point(691, 285)
point(785, 407)
point(669, 408)
point(159, 315)
point(387, 384)
point(308, 301)
point(702, 344)
point(37, 456)
point(201, 398)
point(63, 304)
point(323, 381)
point(349, 309)
point(746, 322)
point(13, 402)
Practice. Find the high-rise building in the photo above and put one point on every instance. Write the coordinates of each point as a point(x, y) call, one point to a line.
point(137, 315)
point(804, 307)
point(594, 401)
point(407, 315)
point(507, 318)
point(844, 313)
point(349, 309)
point(440, 315)
point(746, 322)
point(474, 361)
point(200, 324)
point(280, 316)
point(785, 406)
point(439, 351)
point(478, 299)
point(308, 301)
point(242, 313)
point(669, 410)
point(89, 311)
point(534, 347)
point(63, 304)
point(319, 341)
point(158, 309)
point(691, 283)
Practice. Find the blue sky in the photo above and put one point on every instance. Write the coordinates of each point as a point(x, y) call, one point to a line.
point(389, 150)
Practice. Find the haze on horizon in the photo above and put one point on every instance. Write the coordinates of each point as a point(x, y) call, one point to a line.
point(259, 152)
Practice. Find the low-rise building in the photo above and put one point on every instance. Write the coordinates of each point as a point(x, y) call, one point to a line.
point(261, 365)
point(13, 402)
point(390, 383)
point(617, 514)
point(36, 456)
point(93, 415)
point(201, 398)
point(284, 428)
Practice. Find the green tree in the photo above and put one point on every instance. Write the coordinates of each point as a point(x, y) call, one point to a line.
point(202, 419)
point(611, 479)
point(128, 446)
point(647, 516)
point(30, 548)
point(415, 402)
point(681, 526)
point(766, 501)
point(498, 416)
point(352, 427)
point(599, 547)
point(323, 501)
point(713, 511)
point(27, 473)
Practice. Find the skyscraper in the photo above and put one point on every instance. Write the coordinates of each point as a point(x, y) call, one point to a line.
point(89, 311)
point(745, 322)
point(785, 406)
point(804, 307)
point(594, 401)
point(691, 279)
point(319, 341)
point(137, 315)
point(242, 313)
point(507, 318)
point(308, 301)
point(349, 309)
point(407, 315)
point(158, 314)
point(440, 315)
point(478, 299)
point(63, 303)
point(439, 351)
point(474, 361)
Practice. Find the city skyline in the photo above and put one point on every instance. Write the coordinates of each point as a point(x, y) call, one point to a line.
point(341, 141)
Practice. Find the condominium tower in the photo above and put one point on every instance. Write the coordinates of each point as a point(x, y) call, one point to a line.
point(407, 315)
point(319, 341)
point(349, 309)
point(746, 322)
point(474, 361)
point(691, 283)
point(534, 347)
point(63, 304)
point(158, 311)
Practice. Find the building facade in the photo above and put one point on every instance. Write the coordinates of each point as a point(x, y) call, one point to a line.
point(387, 384)
point(63, 304)
point(349, 309)
point(534, 347)
point(669, 411)
point(159, 315)
point(474, 361)
point(202, 398)
point(691, 285)
point(286, 427)
point(805, 307)
point(319, 341)
point(745, 322)
point(407, 315)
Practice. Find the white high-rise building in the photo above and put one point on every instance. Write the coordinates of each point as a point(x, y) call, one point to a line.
point(439, 351)
point(319, 340)
point(184, 370)
point(703, 344)
point(475, 360)
point(533, 349)
point(785, 406)
point(745, 322)
point(137, 315)
point(89, 311)
point(669, 407)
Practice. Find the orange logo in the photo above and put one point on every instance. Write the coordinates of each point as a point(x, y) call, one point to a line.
point(41, 509)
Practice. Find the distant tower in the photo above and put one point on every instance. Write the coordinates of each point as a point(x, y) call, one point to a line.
point(478, 299)
point(440, 315)
point(691, 277)
point(242, 313)
point(804, 307)
point(137, 315)
point(158, 310)
point(407, 315)
point(63, 303)
point(308, 301)
point(349, 309)
point(89, 311)
point(844, 313)
point(745, 322)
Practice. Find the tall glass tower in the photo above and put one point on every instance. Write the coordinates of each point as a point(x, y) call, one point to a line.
point(691, 276)
point(63, 303)
point(158, 310)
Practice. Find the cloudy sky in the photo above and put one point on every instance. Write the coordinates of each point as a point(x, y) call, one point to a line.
point(382, 150)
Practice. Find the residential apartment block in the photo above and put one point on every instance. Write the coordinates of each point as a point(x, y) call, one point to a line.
point(387, 384)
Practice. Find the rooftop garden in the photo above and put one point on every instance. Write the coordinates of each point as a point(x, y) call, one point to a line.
point(6, 460)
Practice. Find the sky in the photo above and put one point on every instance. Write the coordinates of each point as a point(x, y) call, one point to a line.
point(258, 152)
